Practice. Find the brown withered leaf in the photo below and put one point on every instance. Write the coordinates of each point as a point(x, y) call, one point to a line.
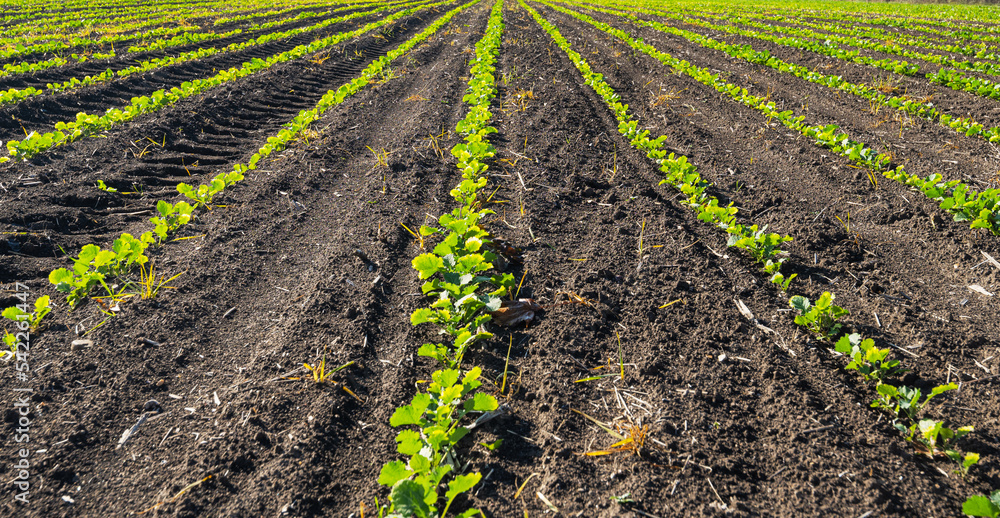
point(513, 312)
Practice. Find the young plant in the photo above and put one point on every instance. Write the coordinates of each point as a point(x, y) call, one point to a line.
point(868, 360)
point(203, 194)
point(983, 506)
point(19, 313)
point(94, 265)
point(906, 401)
point(820, 318)
point(11, 342)
point(436, 414)
point(938, 439)
point(969, 460)
point(778, 278)
point(171, 217)
point(761, 244)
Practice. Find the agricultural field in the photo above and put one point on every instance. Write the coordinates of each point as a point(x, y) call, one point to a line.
point(500, 258)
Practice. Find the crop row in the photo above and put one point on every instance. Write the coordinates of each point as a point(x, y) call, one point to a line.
point(278, 12)
point(888, 48)
point(88, 124)
point(860, 37)
point(951, 78)
point(55, 19)
point(18, 39)
point(880, 28)
point(908, 16)
point(115, 25)
point(979, 51)
point(903, 403)
point(94, 265)
point(17, 46)
point(952, 30)
point(462, 297)
point(762, 246)
point(15, 95)
point(820, 47)
point(980, 209)
point(181, 35)
point(963, 125)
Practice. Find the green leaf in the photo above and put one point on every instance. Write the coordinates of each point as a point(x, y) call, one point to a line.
point(421, 315)
point(12, 313)
point(411, 414)
point(393, 472)
point(103, 258)
point(843, 345)
point(461, 484)
point(887, 390)
point(427, 264)
point(979, 505)
point(88, 253)
point(800, 303)
point(407, 499)
point(493, 304)
point(409, 442)
point(60, 275)
point(482, 403)
point(473, 244)
point(492, 446)
point(445, 378)
point(419, 463)
point(942, 388)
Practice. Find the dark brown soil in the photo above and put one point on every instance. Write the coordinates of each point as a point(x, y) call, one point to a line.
point(740, 421)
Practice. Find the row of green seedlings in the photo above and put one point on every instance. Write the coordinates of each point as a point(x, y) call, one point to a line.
point(979, 51)
point(94, 266)
point(889, 48)
point(756, 241)
point(129, 17)
point(16, 48)
point(859, 36)
point(187, 38)
point(851, 36)
point(820, 47)
point(455, 275)
point(88, 124)
point(27, 67)
point(979, 209)
point(874, 364)
point(163, 37)
point(905, 404)
point(916, 17)
point(60, 41)
point(91, 15)
point(952, 78)
point(965, 33)
point(277, 12)
point(15, 95)
point(820, 317)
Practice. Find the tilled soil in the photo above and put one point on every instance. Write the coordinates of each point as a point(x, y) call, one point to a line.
point(741, 420)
